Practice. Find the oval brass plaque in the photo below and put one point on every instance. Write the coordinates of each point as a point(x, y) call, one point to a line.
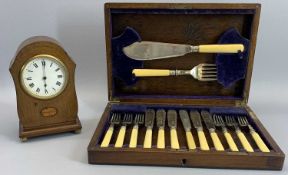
point(49, 112)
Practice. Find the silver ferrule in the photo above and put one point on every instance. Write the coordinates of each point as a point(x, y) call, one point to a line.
point(179, 72)
point(211, 130)
point(194, 48)
point(224, 129)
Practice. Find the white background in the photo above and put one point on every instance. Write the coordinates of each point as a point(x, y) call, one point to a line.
point(79, 26)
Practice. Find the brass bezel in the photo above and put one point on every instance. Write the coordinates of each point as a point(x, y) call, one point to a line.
point(51, 58)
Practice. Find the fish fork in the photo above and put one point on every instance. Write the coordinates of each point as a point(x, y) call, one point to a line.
point(260, 143)
point(201, 72)
point(127, 119)
point(219, 122)
point(115, 120)
point(138, 120)
point(232, 122)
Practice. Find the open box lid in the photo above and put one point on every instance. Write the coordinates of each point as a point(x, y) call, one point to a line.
point(192, 24)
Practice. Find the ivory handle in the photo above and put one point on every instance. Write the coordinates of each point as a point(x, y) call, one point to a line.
point(259, 142)
point(221, 48)
point(161, 139)
point(231, 143)
point(174, 139)
point(244, 142)
point(107, 137)
point(190, 140)
point(150, 72)
point(216, 141)
point(148, 138)
point(134, 136)
point(203, 142)
point(120, 137)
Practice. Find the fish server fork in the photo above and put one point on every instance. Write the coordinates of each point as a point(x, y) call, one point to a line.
point(138, 120)
point(115, 120)
point(232, 122)
point(219, 122)
point(127, 119)
point(260, 143)
point(201, 72)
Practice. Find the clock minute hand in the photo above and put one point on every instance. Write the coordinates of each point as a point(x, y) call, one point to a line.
point(44, 74)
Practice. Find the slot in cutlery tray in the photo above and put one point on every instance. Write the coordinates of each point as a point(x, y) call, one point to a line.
point(183, 156)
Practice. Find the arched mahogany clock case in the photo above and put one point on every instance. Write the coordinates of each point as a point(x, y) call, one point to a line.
point(45, 116)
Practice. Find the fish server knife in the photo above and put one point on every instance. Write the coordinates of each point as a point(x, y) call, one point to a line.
point(160, 121)
point(184, 116)
point(149, 123)
point(207, 118)
point(172, 123)
point(196, 120)
point(150, 50)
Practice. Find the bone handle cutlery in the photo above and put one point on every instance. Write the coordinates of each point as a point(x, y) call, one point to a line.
point(160, 120)
point(218, 120)
point(115, 120)
point(232, 122)
point(139, 120)
point(149, 122)
point(196, 120)
point(149, 50)
point(260, 143)
point(184, 116)
point(211, 127)
point(172, 123)
point(201, 72)
point(121, 135)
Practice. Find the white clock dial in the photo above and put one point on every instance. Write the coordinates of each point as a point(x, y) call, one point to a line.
point(44, 76)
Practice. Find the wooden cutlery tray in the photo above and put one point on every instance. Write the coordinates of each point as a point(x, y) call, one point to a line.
point(186, 23)
point(183, 157)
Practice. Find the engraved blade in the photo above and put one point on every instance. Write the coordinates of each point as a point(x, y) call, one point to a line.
point(196, 119)
point(149, 50)
point(149, 118)
point(184, 116)
point(172, 118)
point(160, 118)
point(207, 118)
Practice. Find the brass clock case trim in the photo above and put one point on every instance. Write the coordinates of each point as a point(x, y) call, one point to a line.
point(51, 58)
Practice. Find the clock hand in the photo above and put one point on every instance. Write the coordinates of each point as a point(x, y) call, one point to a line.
point(44, 74)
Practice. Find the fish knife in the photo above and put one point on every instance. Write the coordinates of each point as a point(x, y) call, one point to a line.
point(149, 122)
point(207, 118)
point(160, 121)
point(184, 116)
point(150, 50)
point(172, 123)
point(196, 120)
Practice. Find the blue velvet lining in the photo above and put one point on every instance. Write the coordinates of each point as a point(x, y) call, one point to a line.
point(232, 67)
point(122, 66)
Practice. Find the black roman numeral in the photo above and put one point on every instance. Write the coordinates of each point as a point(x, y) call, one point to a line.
point(31, 85)
point(29, 78)
point(46, 92)
point(60, 76)
point(54, 89)
point(57, 69)
point(51, 64)
point(58, 83)
point(38, 90)
point(43, 62)
point(35, 65)
point(29, 70)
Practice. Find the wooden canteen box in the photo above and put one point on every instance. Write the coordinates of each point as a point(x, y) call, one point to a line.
point(184, 23)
